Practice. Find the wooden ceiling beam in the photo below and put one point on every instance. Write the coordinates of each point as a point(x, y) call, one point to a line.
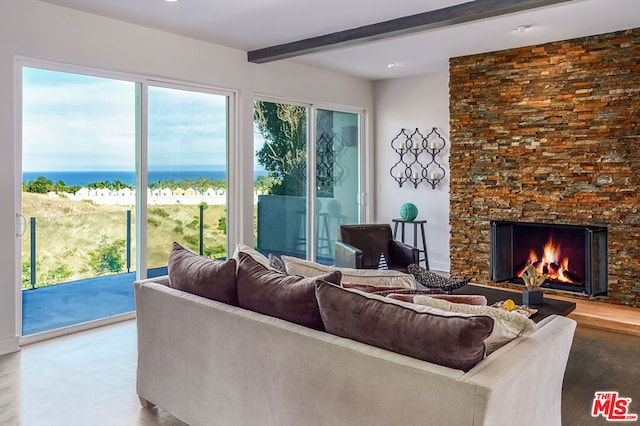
point(457, 14)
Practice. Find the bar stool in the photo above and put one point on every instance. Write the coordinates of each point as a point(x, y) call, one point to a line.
point(322, 232)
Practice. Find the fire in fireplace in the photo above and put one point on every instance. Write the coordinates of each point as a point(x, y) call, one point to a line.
point(574, 258)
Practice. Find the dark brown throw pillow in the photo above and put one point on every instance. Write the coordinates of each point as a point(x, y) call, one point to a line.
point(288, 297)
point(454, 341)
point(210, 278)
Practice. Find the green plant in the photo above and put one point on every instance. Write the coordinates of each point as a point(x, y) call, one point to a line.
point(159, 212)
point(153, 221)
point(55, 276)
point(217, 252)
point(26, 274)
point(222, 224)
point(107, 258)
point(193, 241)
point(195, 223)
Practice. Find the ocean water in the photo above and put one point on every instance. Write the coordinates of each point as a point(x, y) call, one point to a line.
point(84, 178)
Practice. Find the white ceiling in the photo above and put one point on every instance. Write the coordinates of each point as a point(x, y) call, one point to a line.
point(254, 24)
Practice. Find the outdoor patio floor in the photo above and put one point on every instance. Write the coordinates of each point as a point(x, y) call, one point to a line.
point(75, 302)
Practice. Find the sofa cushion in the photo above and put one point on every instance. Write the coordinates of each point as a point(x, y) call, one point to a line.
point(273, 293)
point(389, 278)
point(368, 288)
point(454, 341)
point(468, 299)
point(210, 278)
point(507, 325)
point(255, 254)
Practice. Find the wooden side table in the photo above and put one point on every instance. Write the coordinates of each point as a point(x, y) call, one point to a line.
point(415, 223)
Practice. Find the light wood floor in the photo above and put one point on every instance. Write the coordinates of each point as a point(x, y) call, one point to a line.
point(83, 379)
point(88, 379)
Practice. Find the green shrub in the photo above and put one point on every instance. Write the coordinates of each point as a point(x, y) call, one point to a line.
point(153, 221)
point(26, 274)
point(159, 212)
point(58, 275)
point(193, 241)
point(107, 258)
point(217, 252)
point(222, 224)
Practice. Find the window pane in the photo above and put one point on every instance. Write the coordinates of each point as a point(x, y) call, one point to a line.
point(187, 174)
point(337, 177)
point(78, 161)
point(280, 141)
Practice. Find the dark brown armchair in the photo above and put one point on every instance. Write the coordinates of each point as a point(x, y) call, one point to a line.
point(359, 246)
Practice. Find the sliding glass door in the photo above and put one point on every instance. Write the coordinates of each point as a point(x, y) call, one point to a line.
point(83, 155)
point(78, 162)
point(337, 177)
point(301, 168)
point(281, 157)
point(187, 173)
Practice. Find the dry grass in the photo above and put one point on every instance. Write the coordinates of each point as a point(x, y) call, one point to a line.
point(68, 231)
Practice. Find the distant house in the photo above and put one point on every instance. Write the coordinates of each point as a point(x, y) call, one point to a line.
point(190, 192)
point(210, 192)
point(166, 192)
point(83, 193)
point(178, 191)
point(125, 192)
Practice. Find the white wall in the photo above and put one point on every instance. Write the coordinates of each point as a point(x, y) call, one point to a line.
point(39, 30)
point(421, 102)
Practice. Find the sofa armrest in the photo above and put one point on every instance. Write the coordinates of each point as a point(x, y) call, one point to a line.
point(523, 379)
point(164, 280)
point(348, 256)
point(403, 254)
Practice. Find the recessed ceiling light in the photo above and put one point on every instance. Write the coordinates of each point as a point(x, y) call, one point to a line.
point(392, 65)
point(522, 28)
point(171, 1)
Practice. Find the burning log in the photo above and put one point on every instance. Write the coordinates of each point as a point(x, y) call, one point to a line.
point(575, 278)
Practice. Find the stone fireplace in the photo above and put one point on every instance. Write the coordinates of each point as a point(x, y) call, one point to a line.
point(549, 134)
point(572, 257)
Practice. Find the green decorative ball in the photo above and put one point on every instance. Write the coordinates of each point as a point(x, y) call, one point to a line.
point(408, 211)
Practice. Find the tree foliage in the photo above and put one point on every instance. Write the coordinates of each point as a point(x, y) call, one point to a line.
point(116, 185)
point(284, 154)
point(42, 185)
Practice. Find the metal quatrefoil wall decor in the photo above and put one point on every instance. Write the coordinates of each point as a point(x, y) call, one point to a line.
point(418, 160)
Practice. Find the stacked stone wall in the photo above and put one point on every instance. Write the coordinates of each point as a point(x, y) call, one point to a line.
point(551, 134)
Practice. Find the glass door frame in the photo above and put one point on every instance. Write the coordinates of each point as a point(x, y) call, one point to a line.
point(364, 161)
point(141, 83)
point(142, 171)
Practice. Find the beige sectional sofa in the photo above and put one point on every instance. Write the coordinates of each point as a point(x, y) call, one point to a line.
point(213, 363)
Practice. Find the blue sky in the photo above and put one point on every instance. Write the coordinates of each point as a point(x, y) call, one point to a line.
point(73, 122)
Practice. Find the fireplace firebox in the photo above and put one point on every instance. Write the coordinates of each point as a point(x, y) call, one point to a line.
point(573, 257)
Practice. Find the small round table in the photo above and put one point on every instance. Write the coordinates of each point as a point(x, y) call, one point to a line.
point(415, 235)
